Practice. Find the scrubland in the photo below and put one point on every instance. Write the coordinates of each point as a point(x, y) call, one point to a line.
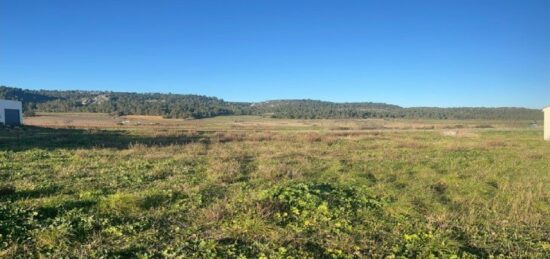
point(262, 188)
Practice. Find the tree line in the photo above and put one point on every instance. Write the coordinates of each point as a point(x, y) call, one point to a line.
point(196, 106)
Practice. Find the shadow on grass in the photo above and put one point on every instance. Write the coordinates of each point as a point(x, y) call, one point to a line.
point(42, 191)
point(52, 212)
point(30, 137)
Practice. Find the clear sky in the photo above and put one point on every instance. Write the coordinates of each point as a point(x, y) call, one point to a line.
point(411, 53)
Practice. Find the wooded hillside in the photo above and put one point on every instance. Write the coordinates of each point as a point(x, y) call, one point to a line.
point(197, 106)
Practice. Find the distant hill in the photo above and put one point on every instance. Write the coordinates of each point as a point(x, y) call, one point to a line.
point(167, 105)
point(313, 109)
point(26, 96)
point(197, 106)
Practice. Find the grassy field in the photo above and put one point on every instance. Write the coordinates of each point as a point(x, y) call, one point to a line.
point(90, 185)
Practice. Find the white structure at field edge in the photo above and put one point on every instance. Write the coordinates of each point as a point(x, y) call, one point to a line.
point(11, 112)
point(546, 123)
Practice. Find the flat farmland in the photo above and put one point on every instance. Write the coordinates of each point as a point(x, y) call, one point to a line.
point(94, 185)
point(260, 123)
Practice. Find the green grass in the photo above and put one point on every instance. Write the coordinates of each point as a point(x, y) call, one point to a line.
point(140, 193)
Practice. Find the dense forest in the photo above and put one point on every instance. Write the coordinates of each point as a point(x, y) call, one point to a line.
point(196, 106)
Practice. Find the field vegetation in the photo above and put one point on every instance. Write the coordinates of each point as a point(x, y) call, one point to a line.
point(255, 187)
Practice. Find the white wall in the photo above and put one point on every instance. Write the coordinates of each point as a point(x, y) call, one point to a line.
point(547, 123)
point(8, 104)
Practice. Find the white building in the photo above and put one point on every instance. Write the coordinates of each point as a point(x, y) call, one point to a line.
point(11, 112)
point(546, 123)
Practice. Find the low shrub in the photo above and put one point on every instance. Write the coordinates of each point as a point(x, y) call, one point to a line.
point(306, 206)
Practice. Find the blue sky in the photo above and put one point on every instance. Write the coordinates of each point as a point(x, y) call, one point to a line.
point(410, 53)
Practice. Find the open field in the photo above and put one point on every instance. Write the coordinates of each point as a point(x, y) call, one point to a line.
point(258, 123)
point(92, 185)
